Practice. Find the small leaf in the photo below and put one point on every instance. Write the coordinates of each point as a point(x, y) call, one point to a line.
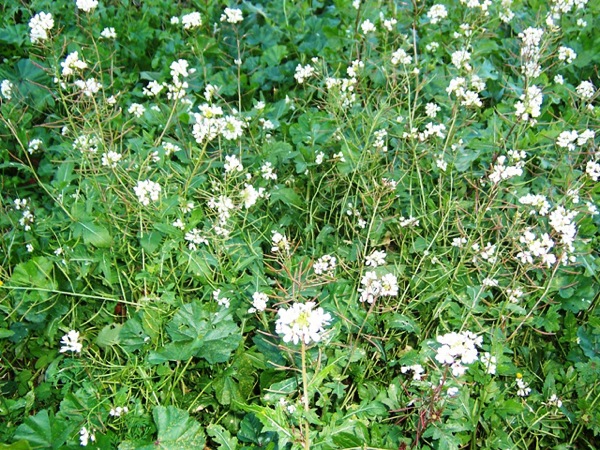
point(109, 335)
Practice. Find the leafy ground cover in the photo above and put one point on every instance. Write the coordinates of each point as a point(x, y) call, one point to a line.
point(300, 225)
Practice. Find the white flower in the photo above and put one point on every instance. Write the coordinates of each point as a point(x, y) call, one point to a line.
point(457, 350)
point(592, 168)
point(108, 33)
point(259, 302)
point(376, 258)
point(72, 63)
point(70, 342)
point(431, 109)
point(118, 411)
point(29, 248)
point(326, 264)
point(111, 158)
point(85, 437)
point(460, 59)
point(367, 26)
point(195, 238)
point(401, 57)
point(566, 54)
point(137, 110)
point(34, 146)
point(147, 191)
point(303, 72)
point(191, 20)
point(416, 369)
point(279, 243)
point(302, 322)
point(523, 389)
point(223, 301)
point(232, 164)
point(250, 195)
point(266, 171)
point(585, 90)
point(87, 5)
point(232, 15)
point(40, 24)
point(437, 13)
point(88, 87)
point(6, 89)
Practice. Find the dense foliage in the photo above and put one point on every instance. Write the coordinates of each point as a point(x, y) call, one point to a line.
point(293, 225)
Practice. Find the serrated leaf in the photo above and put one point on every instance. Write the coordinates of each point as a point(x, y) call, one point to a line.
point(222, 437)
point(272, 420)
point(177, 430)
point(93, 234)
point(197, 331)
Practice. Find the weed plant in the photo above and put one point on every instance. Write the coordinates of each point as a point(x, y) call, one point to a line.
point(300, 224)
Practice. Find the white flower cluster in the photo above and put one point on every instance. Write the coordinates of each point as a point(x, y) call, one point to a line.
point(40, 25)
point(572, 139)
point(87, 5)
point(505, 13)
point(266, 171)
point(562, 221)
point(489, 362)
point(70, 342)
point(6, 88)
point(528, 108)
point(86, 436)
point(592, 169)
point(111, 159)
point(108, 33)
point(279, 243)
point(514, 295)
point(537, 201)
point(460, 60)
point(376, 258)
point(302, 322)
point(501, 171)
point(86, 143)
point(367, 27)
point(523, 389)
point(147, 191)
point(232, 15)
point(118, 411)
point(411, 221)
point(388, 24)
point(221, 301)
point(566, 54)
point(325, 265)
point(232, 164)
point(72, 63)
point(136, 109)
point(401, 57)
point(586, 90)
point(467, 91)
point(210, 124)
point(416, 369)
point(88, 87)
point(530, 51)
point(536, 248)
point(436, 13)
point(344, 87)
point(34, 145)
point(488, 253)
point(223, 205)
point(303, 73)
point(380, 140)
point(259, 302)
point(250, 195)
point(457, 350)
point(374, 286)
point(27, 217)
point(431, 109)
point(191, 20)
point(195, 238)
point(560, 7)
point(482, 5)
point(179, 70)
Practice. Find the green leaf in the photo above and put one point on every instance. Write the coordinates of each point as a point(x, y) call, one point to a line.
point(93, 234)
point(197, 331)
point(109, 335)
point(222, 437)
point(19, 445)
point(177, 430)
point(272, 420)
point(44, 431)
point(4, 333)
